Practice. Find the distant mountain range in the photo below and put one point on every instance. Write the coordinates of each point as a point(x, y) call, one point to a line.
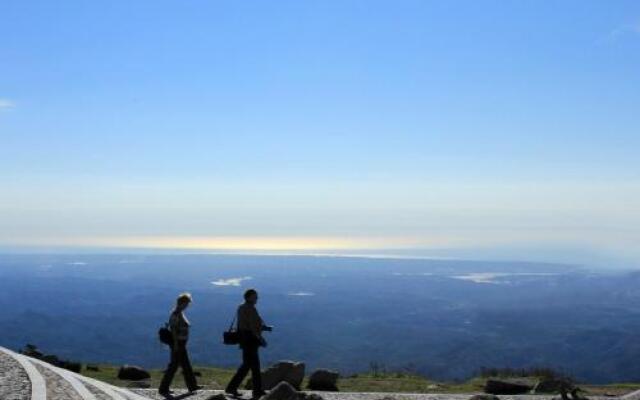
point(442, 318)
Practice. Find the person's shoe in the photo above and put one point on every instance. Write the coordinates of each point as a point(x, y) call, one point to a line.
point(257, 395)
point(165, 393)
point(195, 388)
point(232, 393)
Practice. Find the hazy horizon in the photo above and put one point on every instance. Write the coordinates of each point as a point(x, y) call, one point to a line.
point(578, 258)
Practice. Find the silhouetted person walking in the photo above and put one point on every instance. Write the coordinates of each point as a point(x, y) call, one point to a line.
point(250, 328)
point(179, 326)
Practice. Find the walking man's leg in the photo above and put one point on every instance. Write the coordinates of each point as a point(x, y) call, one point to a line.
point(241, 373)
point(256, 375)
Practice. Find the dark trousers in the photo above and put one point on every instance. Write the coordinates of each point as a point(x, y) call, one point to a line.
point(250, 362)
point(179, 358)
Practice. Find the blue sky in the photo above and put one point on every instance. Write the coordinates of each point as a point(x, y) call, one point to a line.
point(483, 128)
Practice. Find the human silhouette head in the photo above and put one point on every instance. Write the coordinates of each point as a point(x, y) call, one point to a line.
point(251, 296)
point(183, 301)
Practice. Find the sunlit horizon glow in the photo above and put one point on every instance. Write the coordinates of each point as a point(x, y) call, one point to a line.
point(237, 243)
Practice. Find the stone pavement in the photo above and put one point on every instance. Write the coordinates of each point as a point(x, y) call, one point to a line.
point(26, 378)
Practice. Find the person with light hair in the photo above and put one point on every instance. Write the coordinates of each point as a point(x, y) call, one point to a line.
point(179, 327)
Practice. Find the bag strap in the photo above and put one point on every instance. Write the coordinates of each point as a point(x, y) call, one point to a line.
point(233, 322)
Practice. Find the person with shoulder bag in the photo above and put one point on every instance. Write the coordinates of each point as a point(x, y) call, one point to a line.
point(250, 327)
point(179, 327)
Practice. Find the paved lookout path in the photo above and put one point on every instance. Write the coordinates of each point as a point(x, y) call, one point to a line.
point(26, 378)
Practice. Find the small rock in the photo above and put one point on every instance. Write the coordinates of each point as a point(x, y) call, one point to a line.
point(314, 396)
point(133, 373)
point(554, 386)
point(282, 391)
point(309, 396)
point(218, 396)
point(51, 359)
point(324, 379)
point(71, 366)
point(31, 350)
point(507, 386)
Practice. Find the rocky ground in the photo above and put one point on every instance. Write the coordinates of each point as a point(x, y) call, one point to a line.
point(25, 378)
point(207, 394)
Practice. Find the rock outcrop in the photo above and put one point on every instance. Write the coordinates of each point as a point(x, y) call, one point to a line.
point(133, 373)
point(282, 391)
point(324, 380)
point(31, 350)
point(285, 391)
point(283, 371)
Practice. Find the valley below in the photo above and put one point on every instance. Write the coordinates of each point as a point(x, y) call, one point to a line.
point(440, 320)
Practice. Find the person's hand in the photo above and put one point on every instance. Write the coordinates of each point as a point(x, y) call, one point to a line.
point(267, 328)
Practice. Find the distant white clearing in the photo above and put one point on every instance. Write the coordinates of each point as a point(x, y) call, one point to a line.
point(231, 281)
point(493, 277)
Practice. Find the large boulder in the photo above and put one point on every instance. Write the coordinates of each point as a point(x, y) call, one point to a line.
point(283, 371)
point(282, 391)
point(508, 386)
point(133, 373)
point(324, 379)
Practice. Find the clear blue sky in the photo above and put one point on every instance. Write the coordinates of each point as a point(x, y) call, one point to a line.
point(486, 127)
